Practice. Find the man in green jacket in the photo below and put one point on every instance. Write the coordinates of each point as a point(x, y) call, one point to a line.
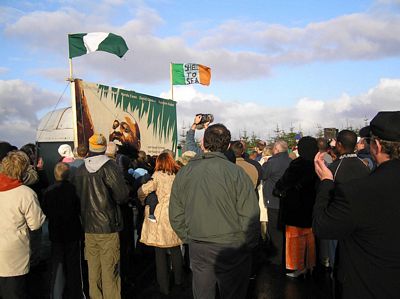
point(213, 208)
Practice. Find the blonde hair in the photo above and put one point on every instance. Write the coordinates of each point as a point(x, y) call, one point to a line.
point(61, 171)
point(15, 164)
point(267, 151)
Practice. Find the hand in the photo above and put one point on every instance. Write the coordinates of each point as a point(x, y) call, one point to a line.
point(196, 121)
point(322, 171)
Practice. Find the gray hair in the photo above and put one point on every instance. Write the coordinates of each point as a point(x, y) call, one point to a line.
point(281, 146)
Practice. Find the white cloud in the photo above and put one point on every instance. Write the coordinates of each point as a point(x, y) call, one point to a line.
point(55, 74)
point(18, 133)
point(355, 36)
point(19, 103)
point(388, 1)
point(235, 50)
point(9, 14)
point(309, 114)
point(4, 70)
point(45, 30)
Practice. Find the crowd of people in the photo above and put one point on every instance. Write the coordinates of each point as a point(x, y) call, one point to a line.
point(327, 203)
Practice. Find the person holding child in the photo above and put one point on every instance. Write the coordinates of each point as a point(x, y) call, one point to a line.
point(159, 233)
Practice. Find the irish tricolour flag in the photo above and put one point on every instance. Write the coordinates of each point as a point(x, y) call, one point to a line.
point(83, 43)
point(190, 73)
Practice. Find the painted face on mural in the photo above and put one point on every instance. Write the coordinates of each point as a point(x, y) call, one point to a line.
point(126, 131)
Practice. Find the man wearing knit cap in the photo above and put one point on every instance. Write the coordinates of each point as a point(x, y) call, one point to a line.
point(100, 186)
point(363, 215)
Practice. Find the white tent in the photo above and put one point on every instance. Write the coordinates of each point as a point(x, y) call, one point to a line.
point(56, 126)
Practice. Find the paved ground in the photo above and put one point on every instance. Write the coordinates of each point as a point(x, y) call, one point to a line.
point(269, 283)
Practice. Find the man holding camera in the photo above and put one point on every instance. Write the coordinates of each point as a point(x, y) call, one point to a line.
point(213, 208)
point(200, 121)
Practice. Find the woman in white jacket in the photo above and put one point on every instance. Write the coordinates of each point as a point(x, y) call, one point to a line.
point(19, 212)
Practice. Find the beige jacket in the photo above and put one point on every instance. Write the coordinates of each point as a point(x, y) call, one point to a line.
point(248, 168)
point(19, 212)
point(159, 234)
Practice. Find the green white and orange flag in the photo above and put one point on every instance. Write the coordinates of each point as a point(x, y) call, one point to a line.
point(190, 73)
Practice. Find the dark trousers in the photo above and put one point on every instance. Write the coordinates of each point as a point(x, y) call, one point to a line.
point(127, 243)
point(14, 287)
point(277, 240)
point(152, 201)
point(227, 266)
point(162, 267)
point(66, 277)
point(186, 258)
point(35, 237)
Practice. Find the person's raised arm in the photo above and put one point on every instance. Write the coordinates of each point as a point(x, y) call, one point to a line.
point(190, 143)
point(332, 217)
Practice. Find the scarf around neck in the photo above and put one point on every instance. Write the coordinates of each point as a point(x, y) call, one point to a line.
point(7, 183)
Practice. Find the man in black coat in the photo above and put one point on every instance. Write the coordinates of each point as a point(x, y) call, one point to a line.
point(273, 170)
point(364, 216)
point(345, 168)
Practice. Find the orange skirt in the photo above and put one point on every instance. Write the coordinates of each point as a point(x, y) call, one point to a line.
point(300, 248)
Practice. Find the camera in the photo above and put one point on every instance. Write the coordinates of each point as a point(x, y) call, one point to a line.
point(205, 118)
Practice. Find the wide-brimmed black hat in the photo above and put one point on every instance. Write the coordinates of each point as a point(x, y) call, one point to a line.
point(385, 125)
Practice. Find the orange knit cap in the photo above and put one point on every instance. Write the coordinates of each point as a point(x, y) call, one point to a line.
point(97, 143)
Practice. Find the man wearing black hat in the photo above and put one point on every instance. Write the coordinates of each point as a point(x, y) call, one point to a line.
point(364, 215)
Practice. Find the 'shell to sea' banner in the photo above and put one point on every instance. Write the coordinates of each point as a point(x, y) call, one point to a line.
point(147, 122)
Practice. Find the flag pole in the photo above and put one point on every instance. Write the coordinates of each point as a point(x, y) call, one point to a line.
point(172, 85)
point(73, 104)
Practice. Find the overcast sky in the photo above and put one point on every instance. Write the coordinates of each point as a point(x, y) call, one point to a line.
point(305, 64)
